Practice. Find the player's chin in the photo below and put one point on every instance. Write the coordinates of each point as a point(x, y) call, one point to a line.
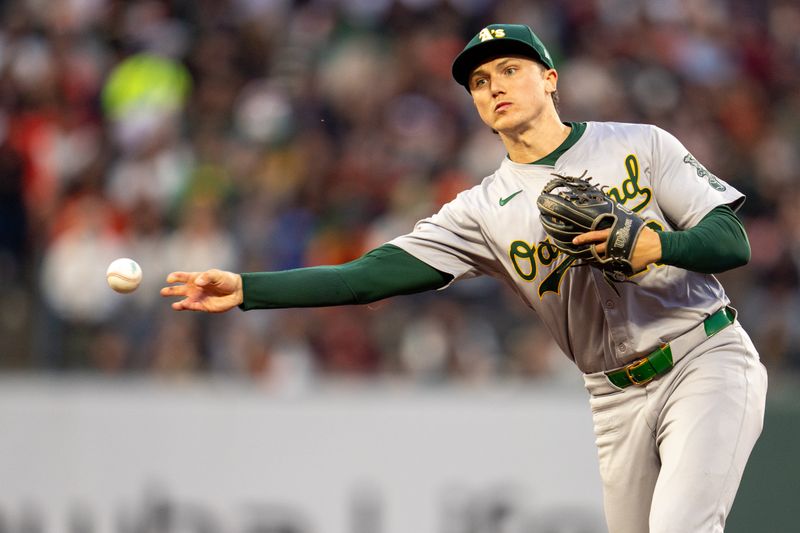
point(499, 121)
point(496, 121)
point(507, 123)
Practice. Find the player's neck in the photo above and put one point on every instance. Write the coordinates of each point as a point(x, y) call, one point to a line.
point(536, 140)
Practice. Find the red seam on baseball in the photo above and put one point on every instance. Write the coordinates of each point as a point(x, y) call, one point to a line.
point(120, 276)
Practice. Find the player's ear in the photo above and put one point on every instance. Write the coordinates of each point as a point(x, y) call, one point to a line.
point(550, 77)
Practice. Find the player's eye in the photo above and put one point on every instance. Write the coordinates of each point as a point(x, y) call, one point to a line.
point(479, 82)
point(510, 71)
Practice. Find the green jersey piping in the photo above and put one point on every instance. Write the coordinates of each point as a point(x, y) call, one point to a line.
point(575, 133)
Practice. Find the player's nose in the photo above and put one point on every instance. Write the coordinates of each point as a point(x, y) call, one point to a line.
point(497, 87)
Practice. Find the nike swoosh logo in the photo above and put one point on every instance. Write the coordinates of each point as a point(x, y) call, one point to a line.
point(504, 201)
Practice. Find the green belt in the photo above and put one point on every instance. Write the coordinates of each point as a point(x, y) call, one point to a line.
point(659, 361)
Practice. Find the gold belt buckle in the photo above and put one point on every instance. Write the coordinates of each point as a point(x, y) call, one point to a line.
point(634, 366)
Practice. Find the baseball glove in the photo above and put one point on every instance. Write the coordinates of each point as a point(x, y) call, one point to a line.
point(569, 206)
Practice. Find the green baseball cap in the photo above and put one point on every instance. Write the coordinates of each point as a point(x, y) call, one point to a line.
point(498, 40)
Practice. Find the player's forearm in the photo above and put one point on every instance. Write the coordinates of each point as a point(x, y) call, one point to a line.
point(383, 272)
point(716, 244)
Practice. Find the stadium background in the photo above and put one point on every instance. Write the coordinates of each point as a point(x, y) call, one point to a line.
point(272, 134)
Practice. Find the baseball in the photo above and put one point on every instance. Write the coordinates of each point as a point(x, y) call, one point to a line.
point(124, 275)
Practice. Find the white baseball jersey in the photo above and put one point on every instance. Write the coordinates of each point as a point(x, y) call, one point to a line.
point(494, 229)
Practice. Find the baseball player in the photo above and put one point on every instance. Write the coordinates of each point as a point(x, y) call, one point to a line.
point(676, 387)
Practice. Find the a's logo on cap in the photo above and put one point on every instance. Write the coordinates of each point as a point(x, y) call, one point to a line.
point(488, 34)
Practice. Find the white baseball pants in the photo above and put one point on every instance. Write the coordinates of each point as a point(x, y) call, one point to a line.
point(672, 452)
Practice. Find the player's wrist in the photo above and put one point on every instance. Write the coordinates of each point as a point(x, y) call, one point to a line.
point(239, 289)
point(240, 283)
point(655, 249)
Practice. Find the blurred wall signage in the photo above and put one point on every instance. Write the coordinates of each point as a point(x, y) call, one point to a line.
point(140, 457)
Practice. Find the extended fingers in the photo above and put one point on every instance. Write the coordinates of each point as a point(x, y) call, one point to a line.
point(600, 249)
point(175, 290)
point(181, 277)
point(597, 236)
point(186, 305)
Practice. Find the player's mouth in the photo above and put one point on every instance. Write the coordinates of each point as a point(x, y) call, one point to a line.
point(501, 106)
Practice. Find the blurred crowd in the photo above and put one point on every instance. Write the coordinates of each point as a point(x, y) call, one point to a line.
point(257, 135)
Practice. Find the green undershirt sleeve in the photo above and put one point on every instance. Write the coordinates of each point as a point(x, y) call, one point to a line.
point(383, 272)
point(716, 244)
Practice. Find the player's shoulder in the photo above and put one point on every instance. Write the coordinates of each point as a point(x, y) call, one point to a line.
point(625, 129)
point(481, 197)
point(502, 174)
point(639, 137)
point(479, 191)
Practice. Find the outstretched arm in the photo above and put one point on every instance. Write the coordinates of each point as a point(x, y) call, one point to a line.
point(383, 272)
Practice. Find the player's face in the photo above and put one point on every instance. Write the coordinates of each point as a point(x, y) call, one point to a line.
point(511, 92)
